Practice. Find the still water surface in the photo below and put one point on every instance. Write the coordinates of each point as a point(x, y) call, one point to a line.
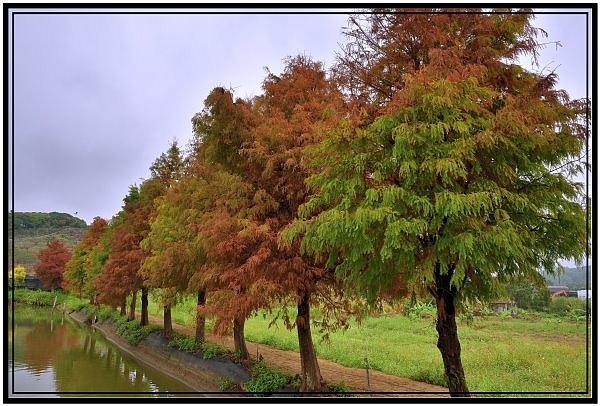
point(51, 355)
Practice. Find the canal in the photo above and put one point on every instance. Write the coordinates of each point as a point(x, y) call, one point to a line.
point(52, 355)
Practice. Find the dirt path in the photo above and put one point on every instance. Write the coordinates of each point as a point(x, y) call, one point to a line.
point(355, 378)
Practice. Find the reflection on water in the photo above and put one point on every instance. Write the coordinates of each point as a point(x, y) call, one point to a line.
point(54, 355)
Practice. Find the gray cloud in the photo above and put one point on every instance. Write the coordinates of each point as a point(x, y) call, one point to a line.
point(98, 97)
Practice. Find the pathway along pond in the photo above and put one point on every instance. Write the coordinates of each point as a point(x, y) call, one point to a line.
point(52, 355)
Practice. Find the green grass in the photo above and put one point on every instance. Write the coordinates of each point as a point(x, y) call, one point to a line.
point(395, 345)
point(45, 298)
point(183, 312)
point(499, 355)
point(265, 379)
point(538, 352)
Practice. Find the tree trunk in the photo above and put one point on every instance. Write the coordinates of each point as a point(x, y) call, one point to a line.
point(131, 315)
point(144, 316)
point(124, 306)
point(310, 372)
point(200, 320)
point(448, 342)
point(238, 339)
point(167, 322)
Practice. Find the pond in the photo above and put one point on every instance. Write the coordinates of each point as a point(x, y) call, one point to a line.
point(52, 355)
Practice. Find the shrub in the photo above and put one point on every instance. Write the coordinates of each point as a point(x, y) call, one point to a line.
point(89, 309)
point(226, 384)
point(560, 306)
point(212, 350)
point(16, 276)
point(265, 379)
point(35, 297)
point(124, 328)
point(119, 318)
point(419, 310)
point(569, 307)
point(528, 296)
point(467, 317)
point(133, 332)
point(45, 298)
point(339, 387)
point(105, 313)
point(184, 343)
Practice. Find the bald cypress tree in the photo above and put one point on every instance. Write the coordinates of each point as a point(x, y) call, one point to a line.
point(461, 178)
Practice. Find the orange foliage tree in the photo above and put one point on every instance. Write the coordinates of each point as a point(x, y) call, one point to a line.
point(120, 274)
point(228, 246)
point(293, 114)
point(51, 264)
point(220, 130)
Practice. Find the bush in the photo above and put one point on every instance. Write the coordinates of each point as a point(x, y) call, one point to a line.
point(89, 309)
point(106, 313)
point(420, 310)
point(569, 307)
point(184, 343)
point(37, 297)
point(133, 332)
point(212, 350)
point(339, 387)
point(265, 379)
point(527, 295)
point(226, 384)
point(45, 298)
point(560, 306)
point(124, 328)
point(16, 276)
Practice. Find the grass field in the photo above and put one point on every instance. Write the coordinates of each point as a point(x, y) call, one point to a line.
point(500, 354)
point(535, 352)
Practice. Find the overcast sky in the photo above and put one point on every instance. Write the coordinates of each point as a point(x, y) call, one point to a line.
point(98, 97)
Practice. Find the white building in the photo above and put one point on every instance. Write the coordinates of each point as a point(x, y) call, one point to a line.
point(584, 294)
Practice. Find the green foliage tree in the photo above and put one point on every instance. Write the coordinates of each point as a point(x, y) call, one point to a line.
point(94, 261)
point(78, 274)
point(169, 166)
point(221, 128)
point(529, 295)
point(459, 183)
point(161, 269)
point(173, 245)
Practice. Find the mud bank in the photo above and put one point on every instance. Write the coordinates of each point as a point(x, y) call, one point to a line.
point(198, 374)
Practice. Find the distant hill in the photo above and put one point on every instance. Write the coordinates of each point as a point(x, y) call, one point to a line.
point(33, 231)
point(573, 278)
